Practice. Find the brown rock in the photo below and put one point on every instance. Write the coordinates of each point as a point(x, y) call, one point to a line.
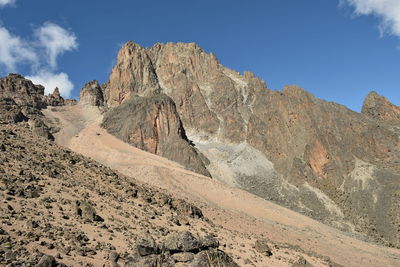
point(379, 108)
point(314, 145)
point(181, 242)
point(262, 247)
point(54, 99)
point(153, 124)
point(146, 245)
point(92, 94)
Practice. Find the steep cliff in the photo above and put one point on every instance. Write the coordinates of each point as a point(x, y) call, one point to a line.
point(152, 124)
point(316, 157)
point(91, 94)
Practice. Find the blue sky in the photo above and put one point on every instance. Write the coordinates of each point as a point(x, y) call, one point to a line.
point(337, 52)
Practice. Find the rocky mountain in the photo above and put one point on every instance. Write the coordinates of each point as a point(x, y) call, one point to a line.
point(60, 208)
point(316, 157)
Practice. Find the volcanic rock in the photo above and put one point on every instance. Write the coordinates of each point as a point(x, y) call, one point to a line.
point(146, 245)
point(181, 242)
point(287, 146)
point(54, 99)
point(91, 94)
point(379, 108)
point(262, 247)
point(152, 123)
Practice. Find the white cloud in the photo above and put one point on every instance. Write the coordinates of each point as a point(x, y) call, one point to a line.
point(56, 41)
point(52, 80)
point(7, 2)
point(388, 11)
point(40, 53)
point(14, 50)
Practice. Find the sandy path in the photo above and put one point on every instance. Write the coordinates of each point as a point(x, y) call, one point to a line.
point(229, 207)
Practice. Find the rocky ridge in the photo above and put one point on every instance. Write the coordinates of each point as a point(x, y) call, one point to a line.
point(316, 157)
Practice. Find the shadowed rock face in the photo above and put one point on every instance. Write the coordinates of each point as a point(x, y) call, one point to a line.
point(152, 124)
point(312, 147)
point(54, 99)
point(91, 94)
point(21, 100)
point(25, 94)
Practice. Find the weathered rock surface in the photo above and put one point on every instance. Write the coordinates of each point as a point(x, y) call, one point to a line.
point(379, 108)
point(46, 190)
point(54, 99)
point(19, 97)
point(152, 123)
point(91, 94)
point(133, 74)
point(21, 100)
point(179, 248)
point(307, 154)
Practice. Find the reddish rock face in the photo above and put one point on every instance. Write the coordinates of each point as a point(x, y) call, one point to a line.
point(309, 141)
point(379, 108)
point(153, 124)
point(212, 101)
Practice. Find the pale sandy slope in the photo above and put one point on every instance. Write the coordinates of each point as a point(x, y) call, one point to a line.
point(231, 208)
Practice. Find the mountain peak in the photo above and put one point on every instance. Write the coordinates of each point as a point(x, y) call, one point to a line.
point(380, 108)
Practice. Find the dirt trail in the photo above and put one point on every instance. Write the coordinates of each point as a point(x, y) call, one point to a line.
point(231, 208)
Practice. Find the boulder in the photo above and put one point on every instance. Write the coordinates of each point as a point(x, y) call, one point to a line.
point(146, 245)
point(213, 257)
point(54, 99)
point(181, 242)
point(85, 210)
point(262, 247)
point(47, 261)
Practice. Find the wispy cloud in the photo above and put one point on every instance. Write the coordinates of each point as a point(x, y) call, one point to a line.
point(40, 52)
point(388, 11)
point(51, 80)
point(56, 41)
point(7, 3)
point(14, 51)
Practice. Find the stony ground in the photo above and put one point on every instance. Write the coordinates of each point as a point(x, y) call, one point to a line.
point(58, 207)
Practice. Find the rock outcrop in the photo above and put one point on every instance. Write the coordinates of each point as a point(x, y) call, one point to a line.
point(379, 108)
point(152, 123)
point(52, 201)
point(288, 146)
point(180, 249)
point(21, 100)
point(54, 99)
point(25, 94)
point(91, 94)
